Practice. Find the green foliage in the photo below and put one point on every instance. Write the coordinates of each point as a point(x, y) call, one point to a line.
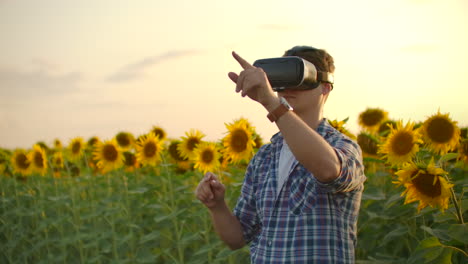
point(146, 217)
point(152, 216)
point(391, 232)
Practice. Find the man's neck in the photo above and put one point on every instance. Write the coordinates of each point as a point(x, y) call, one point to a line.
point(312, 118)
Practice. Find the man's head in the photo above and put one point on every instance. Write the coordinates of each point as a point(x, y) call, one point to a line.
point(301, 99)
point(319, 57)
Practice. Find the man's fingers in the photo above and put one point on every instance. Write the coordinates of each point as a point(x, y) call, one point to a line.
point(243, 63)
point(233, 76)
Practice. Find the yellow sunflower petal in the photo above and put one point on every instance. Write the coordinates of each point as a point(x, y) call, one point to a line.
point(441, 133)
point(401, 145)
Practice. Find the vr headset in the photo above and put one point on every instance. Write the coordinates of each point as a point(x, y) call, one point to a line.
point(292, 72)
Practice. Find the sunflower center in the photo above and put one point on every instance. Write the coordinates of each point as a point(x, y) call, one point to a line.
point(130, 159)
point(22, 161)
point(92, 141)
point(372, 118)
point(192, 143)
point(402, 143)
point(76, 147)
point(239, 140)
point(150, 149)
point(58, 161)
point(207, 156)
point(174, 152)
point(440, 130)
point(109, 152)
point(38, 160)
point(123, 140)
point(424, 184)
point(158, 133)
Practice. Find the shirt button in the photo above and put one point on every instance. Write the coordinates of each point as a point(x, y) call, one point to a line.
point(269, 243)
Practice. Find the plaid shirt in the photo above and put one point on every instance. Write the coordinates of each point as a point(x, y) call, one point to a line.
point(309, 221)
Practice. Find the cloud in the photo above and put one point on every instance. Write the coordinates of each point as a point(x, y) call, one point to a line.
point(137, 70)
point(16, 84)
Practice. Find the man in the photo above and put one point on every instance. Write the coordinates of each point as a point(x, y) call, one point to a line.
point(300, 198)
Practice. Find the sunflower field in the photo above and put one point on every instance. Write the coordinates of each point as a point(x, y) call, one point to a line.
point(131, 199)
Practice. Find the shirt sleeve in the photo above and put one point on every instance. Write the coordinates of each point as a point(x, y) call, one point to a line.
point(351, 175)
point(246, 208)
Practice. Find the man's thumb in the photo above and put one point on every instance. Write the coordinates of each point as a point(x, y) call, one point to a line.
point(216, 185)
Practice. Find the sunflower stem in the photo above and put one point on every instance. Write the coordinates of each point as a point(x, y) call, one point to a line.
point(453, 197)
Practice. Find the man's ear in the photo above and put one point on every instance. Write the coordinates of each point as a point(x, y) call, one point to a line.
point(326, 88)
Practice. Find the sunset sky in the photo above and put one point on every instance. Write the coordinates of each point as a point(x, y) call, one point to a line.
point(97, 67)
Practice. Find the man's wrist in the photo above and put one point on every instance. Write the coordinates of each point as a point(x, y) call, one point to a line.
point(272, 104)
point(222, 206)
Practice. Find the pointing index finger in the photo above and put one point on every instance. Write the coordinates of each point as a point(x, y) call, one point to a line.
point(242, 62)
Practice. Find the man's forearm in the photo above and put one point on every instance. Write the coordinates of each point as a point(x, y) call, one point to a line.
point(227, 226)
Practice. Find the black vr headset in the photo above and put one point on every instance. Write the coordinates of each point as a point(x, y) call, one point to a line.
point(292, 73)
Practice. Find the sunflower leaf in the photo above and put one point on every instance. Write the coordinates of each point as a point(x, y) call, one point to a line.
point(438, 233)
point(448, 157)
point(458, 232)
point(430, 250)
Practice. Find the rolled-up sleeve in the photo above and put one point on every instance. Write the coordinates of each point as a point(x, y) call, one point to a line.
point(352, 169)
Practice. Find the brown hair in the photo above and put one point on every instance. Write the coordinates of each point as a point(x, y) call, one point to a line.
point(319, 57)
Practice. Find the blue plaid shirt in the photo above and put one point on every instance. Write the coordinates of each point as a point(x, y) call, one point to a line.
point(309, 221)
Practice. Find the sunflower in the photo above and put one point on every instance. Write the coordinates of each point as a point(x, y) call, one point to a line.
point(206, 157)
point(174, 152)
point(159, 132)
point(108, 155)
point(463, 150)
point(43, 145)
point(384, 128)
point(369, 144)
point(93, 141)
point(76, 148)
point(371, 118)
point(38, 159)
point(339, 125)
point(425, 184)
point(57, 160)
point(189, 143)
point(401, 144)
point(125, 140)
point(149, 149)
point(21, 162)
point(57, 144)
point(258, 140)
point(464, 132)
point(441, 134)
point(238, 143)
point(130, 161)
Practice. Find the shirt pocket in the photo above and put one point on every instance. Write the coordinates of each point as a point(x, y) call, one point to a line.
point(302, 195)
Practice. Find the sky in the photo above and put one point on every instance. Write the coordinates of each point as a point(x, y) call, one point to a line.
point(95, 68)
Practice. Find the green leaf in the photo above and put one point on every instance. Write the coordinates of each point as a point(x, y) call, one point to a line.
point(139, 190)
point(150, 237)
point(448, 157)
point(439, 233)
point(459, 232)
point(429, 243)
point(169, 216)
point(395, 234)
point(375, 194)
point(431, 251)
